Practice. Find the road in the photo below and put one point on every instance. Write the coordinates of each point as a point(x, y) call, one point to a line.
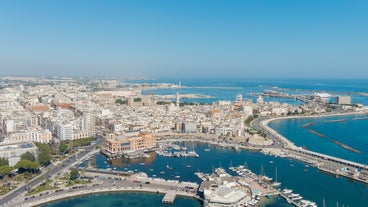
point(49, 171)
point(277, 143)
point(102, 183)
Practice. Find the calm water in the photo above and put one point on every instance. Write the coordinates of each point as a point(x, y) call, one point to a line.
point(123, 200)
point(307, 181)
point(349, 131)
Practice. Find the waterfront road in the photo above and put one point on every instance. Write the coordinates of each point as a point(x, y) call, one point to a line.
point(111, 183)
point(50, 171)
point(257, 125)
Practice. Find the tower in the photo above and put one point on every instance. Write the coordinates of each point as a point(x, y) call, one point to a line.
point(177, 99)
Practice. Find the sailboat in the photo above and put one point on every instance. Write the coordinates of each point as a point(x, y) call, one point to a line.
point(263, 176)
point(276, 184)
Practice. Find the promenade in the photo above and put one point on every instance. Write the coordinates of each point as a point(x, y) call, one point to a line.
point(108, 183)
point(49, 172)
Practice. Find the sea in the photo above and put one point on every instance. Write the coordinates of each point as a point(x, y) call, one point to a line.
point(307, 181)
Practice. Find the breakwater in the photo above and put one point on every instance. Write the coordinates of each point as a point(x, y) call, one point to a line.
point(346, 147)
point(316, 133)
point(336, 120)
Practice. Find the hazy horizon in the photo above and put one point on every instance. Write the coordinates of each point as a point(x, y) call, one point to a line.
point(185, 39)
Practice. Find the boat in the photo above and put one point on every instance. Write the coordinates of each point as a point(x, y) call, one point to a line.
point(207, 149)
point(286, 191)
point(267, 179)
point(293, 195)
point(276, 184)
point(168, 167)
point(188, 166)
point(178, 176)
point(297, 198)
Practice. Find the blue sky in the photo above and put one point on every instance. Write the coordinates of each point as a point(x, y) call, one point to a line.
point(185, 38)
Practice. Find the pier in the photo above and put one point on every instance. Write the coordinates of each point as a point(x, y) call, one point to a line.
point(169, 197)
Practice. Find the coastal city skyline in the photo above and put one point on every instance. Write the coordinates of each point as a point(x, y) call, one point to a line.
point(218, 143)
point(191, 103)
point(171, 39)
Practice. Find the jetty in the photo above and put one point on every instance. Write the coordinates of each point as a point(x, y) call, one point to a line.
point(330, 164)
point(169, 197)
point(296, 199)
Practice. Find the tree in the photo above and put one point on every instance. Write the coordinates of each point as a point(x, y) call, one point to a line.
point(28, 156)
point(63, 147)
point(74, 174)
point(5, 170)
point(44, 156)
point(120, 101)
point(4, 162)
point(27, 166)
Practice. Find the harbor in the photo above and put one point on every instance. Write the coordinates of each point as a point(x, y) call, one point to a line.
point(170, 149)
point(322, 161)
point(206, 154)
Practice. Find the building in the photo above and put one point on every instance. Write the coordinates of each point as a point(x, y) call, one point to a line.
point(13, 151)
point(189, 127)
point(34, 135)
point(64, 131)
point(116, 127)
point(123, 144)
point(88, 123)
point(177, 99)
point(260, 100)
point(344, 100)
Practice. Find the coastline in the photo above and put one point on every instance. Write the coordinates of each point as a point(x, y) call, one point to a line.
point(265, 123)
point(191, 138)
point(70, 195)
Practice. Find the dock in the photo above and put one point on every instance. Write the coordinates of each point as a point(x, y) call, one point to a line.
point(169, 197)
point(289, 201)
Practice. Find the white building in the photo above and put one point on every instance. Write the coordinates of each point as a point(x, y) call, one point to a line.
point(64, 131)
point(344, 100)
point(9, 126)
point(13, 151)
point(189, 127)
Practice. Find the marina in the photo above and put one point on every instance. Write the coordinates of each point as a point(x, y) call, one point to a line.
point(173, 150)
point(296, 199)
